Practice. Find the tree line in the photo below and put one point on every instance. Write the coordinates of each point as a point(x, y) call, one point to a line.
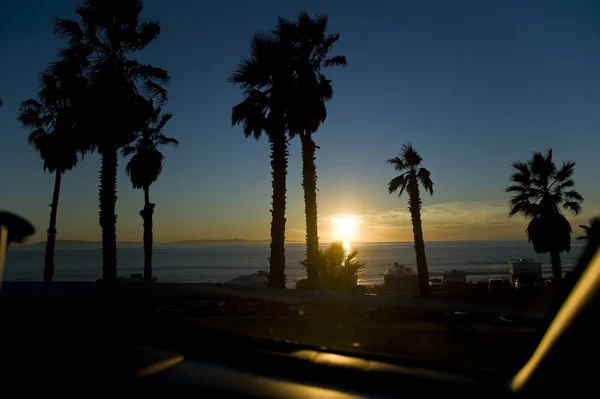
point(97, 98)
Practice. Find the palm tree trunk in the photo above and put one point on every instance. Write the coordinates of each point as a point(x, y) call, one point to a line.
point(108, 217)
point(146, 215)
point(51, 241)
point(309, 183)
point(415, 215)
point(556, 265)
point(279, 154)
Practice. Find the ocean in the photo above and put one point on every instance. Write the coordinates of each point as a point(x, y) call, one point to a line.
point(220, 263)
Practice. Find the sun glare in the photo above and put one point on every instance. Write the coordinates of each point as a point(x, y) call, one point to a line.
point(346, 246)
point(346, 229)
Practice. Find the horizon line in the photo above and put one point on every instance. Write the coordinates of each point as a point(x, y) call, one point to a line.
point(262, 241)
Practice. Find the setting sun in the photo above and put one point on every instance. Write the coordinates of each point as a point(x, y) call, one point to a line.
point(345, 228)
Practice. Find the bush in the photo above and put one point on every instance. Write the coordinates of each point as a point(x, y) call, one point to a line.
point(338, 270)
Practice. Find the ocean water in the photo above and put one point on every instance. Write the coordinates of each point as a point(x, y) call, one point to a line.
point(220, 263)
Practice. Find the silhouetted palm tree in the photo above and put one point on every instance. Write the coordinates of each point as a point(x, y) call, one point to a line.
point(144, 168)
point(266, 80)
point(338, 269)
point(592, 230)
point(310, 45)
point(108, 32)
point(540, 189)
point(54, 135)
point(409, 163)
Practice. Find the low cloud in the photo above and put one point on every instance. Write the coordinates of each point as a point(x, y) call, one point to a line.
point(453, 221)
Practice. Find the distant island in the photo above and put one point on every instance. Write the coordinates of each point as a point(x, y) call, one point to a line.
point(227, 241)
point(221, 241)
point(82, 243)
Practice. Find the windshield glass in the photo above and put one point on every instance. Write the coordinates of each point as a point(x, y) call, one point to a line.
point(413, 179)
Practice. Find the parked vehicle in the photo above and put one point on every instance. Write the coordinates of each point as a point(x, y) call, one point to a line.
point(401, 278)
point(526, 271)
point(437, 286)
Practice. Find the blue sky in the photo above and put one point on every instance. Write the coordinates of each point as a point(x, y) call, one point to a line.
point(474, 85)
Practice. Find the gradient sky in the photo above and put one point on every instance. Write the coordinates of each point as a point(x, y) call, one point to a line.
point(474, 85)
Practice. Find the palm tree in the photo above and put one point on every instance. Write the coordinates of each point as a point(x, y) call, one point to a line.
point(540, 188)
point(144, 168)
point(310, 45)
point(409, 164)
point(51, 119)
point(107, 33)
point(266, 80)
point(338, 269)
point(592, 230)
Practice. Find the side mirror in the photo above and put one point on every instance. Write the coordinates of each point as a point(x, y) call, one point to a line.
point(13, 228)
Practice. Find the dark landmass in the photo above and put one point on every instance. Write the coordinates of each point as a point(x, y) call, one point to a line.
point(74, 243)
point(228, 241)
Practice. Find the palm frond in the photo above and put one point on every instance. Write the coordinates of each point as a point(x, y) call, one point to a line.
point(573, 206)
point(147, 32)
point(68, 28)
point(573, 196)
point(565, 172)
point(163, 120)
point(156, 90)
point(251, 114)
point(517, 189)
point(36, 138)
point(152, 73)
point(338, 60)
point(397, 163)
point(251, 73)
point(398, 182)
point(163, 140)
point(424, 177)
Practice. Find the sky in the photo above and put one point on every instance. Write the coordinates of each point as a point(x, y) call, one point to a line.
point(474, 85)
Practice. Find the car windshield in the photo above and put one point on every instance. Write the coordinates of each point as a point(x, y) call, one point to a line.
point(412, 179)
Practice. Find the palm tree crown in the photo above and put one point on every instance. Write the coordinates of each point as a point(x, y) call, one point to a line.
point(541, 187)
point(108, 32)
point(53, 121)
point(310, 45)
point(266, 81)
point(409, 162)
point(146, 164)
point(591, 230)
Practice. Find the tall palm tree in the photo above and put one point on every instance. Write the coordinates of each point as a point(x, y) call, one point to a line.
point(310, 44)
point(266, 79)
point(144, 168)
point(409, 164)
point(591, 230)
point(107, 34)
point(539, 189)
point(54, 135)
